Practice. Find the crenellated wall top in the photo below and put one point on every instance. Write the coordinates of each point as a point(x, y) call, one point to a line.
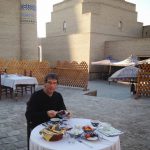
point(114, 3)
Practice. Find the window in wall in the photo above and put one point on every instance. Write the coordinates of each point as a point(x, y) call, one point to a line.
point(64, 26)
point(120, 25)
point(146, 34)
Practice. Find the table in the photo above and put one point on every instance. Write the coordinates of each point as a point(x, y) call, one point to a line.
point(11, 80)
point(38, 143)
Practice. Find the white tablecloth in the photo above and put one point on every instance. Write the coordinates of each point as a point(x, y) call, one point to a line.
point(11, 80)
point(38, 143)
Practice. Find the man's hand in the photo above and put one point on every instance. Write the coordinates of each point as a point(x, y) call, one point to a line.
point(64, 113)
point(69, 115)
point(51, 113)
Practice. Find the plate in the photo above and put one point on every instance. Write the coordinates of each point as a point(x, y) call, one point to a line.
point(91, 136)
point(55, 120)
point(95, 138)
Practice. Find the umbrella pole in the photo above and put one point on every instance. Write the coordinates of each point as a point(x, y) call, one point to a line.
point(109, 72)
point(132, 87)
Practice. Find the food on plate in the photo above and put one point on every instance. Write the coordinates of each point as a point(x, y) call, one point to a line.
point(52, 133)
point(87, 135)
point(91, 136)
point(87, 128)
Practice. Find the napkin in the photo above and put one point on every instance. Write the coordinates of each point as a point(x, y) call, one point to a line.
point(108, 130)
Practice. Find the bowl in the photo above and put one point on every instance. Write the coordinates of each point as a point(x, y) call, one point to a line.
point(75, 133)
point(56, 137)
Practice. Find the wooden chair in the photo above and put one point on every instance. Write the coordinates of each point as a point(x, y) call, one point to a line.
point(29, 87)
point(5, 90)
point(21, 88)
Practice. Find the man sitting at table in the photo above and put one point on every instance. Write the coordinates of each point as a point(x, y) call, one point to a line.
point(44, 104)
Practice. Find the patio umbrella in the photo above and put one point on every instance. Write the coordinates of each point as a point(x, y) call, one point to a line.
point(144, 61)
point(131, 60)
point(126, 73)
point(106, 62)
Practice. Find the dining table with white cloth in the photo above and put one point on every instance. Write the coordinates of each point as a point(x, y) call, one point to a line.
point(11, 80)
point(106, 143)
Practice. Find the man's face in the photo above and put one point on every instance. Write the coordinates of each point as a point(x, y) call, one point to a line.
point(50, 86)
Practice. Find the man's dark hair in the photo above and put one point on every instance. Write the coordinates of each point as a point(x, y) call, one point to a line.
point(51, 76)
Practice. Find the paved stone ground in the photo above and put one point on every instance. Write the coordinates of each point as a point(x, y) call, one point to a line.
point(113, 104)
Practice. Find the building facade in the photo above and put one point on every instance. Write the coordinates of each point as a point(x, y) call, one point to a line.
point(80, 30)
point(90, 30)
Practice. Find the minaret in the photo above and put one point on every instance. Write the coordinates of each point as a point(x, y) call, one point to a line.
point(28, 22)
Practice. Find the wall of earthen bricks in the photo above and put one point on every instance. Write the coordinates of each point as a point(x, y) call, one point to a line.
point(10, 28)
point(122, 49)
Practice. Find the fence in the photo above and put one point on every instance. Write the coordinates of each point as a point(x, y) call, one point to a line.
point(143, 81)
point(72, 74)
point(39, 69)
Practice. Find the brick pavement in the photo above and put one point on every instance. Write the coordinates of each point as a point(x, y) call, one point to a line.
point(113, 104)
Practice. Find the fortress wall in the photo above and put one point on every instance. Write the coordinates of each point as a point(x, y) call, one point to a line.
point(10, 29)
point(73, 47)
point(122, 49)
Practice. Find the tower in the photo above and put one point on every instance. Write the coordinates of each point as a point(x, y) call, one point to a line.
point(28, 27)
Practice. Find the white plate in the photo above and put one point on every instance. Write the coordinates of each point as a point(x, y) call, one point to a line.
point(55, 120)
point(92, 138)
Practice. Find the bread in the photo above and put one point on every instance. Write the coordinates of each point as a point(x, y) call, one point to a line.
point(52, 133)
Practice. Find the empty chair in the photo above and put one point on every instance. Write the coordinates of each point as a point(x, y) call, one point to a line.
point(29, 87)
point(19, 89)
point(5, 90)
point(24, 88)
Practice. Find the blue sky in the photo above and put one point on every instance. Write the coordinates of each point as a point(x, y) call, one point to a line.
point(44, 15)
